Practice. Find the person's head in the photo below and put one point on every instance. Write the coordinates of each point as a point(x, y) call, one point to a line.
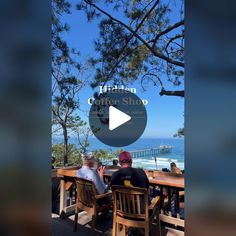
point(115, 162)
point(125, 159)
point(172, 165)
point(89, 160)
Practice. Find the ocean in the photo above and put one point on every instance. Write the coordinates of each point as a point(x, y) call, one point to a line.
point(147, 162)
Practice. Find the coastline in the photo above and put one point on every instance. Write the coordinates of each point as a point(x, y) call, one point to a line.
point(147, 162)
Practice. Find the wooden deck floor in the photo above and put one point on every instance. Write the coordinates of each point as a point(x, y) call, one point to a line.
point(64, 227)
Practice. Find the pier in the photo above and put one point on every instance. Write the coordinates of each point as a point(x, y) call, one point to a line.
point(151, 151)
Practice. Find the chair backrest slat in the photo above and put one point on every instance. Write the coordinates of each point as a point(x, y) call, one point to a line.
point(133, 204)
point(86, 192)
point(120, 202)
point(124, 202)
point(130, 201)
point(138, 204)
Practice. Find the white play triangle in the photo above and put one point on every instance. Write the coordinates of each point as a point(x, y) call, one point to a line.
point(117, 118)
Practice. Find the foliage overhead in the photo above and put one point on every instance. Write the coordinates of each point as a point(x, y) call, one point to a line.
point(63, 57)
point(65, 85)
point(139, 40)
point(65, 78)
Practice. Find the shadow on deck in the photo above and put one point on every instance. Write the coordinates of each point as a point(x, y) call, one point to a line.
point(64, 227)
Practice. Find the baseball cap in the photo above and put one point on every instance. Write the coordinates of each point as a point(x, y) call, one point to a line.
point(125, 157)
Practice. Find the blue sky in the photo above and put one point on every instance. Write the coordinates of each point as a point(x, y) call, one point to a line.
point(165, 114)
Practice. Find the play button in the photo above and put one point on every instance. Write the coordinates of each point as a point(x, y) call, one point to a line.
point(117, 118)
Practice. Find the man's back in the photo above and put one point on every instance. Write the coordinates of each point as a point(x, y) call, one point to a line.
point(129, 176)
point(89, 174)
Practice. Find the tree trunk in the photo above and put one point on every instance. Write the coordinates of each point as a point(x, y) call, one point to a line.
point(65, 135)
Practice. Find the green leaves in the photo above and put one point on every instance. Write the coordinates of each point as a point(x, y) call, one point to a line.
point(105, 155)
point(145, 39)
point(180, 133)
point(136, 14)
point(65, 82)
point(74, 155)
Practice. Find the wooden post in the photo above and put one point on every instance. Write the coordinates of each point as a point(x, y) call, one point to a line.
point(62, 195)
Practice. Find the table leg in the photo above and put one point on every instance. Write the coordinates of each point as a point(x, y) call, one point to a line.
point(154, 191)
point(162, 199)
point(62, 195)
point(177, 203)
point(169, 202)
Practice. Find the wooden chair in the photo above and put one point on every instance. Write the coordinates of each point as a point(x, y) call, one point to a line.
point(172, 223)
point(90, 201)
point(131, 209)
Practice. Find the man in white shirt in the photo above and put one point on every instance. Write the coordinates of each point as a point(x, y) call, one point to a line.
point(88, 171)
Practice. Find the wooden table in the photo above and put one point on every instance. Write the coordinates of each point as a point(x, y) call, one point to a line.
point(160, 179)
point(67, 175)
point(168, 181)
point(173, 184)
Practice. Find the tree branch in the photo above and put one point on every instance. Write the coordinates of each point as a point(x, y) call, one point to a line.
point(179, 93)
point(176, 25)
point(130, 38)
point(152, 75)
point(155, 52)
point(172, 39)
